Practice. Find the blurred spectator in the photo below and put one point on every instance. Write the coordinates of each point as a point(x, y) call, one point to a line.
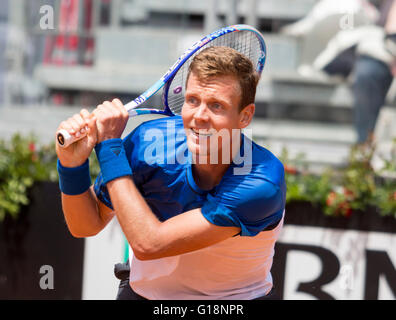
point(366, 53)
point(323, 22)
point(324, 10)
point(374, 74)
point(74, 44)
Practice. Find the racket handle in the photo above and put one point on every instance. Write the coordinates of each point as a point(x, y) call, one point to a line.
point(65, 139)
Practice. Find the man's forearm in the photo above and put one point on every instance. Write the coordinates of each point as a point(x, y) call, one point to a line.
point(83, 215)
point(152, 239)
point(137, 221)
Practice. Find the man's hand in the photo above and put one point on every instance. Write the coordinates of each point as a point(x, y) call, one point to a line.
point(77, 153)
point(107, 121)
point(112, 118)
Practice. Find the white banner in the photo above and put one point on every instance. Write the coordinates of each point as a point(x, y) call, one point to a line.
point(322, 263)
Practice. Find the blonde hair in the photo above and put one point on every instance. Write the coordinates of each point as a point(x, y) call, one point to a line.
point(225, 61)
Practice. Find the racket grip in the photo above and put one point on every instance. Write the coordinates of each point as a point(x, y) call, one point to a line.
point(65, 139)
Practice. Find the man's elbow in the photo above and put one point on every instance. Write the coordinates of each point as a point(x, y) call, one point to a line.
point(79, 235)
point(83, 233)
point(76, 234)
point(146, 252)
point(142, 255)
point(79, 229)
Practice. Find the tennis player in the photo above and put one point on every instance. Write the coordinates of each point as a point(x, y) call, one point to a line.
point(197, 228)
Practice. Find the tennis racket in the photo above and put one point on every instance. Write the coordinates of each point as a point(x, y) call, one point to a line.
point(243, 38)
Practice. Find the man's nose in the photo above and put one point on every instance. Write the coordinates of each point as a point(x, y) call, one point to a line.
point(202, 112)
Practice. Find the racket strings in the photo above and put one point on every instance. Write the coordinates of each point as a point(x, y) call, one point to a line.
point(246, 42)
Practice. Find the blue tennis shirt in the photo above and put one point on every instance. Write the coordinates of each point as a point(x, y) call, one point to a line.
point(252, 198)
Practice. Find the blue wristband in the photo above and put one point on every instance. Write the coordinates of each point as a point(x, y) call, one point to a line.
point(112, 160)
point(74, 181)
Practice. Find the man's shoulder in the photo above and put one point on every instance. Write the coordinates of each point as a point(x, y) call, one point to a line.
point(262, 165)
point(155, 143)
point(262, 155)
point(161, 124)
point(155, 129)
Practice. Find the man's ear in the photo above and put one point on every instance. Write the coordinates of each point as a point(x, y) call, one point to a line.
point(246, 115)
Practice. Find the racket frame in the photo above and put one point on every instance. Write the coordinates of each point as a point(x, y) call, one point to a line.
point(64, 139)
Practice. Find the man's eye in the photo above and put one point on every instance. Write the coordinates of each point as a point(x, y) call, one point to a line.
point(216, 106)
point(192, 100)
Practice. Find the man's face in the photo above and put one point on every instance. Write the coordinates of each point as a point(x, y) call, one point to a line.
point(211, 110)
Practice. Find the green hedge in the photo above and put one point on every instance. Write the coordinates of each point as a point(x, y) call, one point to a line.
point(338, 191)
point(22, 163)
point(343, 191)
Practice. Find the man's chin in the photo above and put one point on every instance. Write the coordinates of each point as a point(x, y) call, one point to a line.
point(198, 151)
point(194, 147)
point(204, 155)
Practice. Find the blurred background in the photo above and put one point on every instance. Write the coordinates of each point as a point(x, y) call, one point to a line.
point(59, 55)
point(324, 58)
